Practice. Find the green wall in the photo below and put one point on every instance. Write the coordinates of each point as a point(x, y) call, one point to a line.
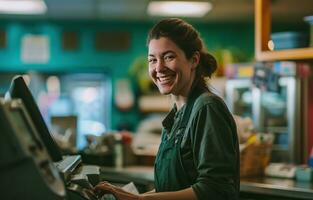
point(238, 37)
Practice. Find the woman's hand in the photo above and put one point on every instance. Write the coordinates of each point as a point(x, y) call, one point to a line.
point(120, 194)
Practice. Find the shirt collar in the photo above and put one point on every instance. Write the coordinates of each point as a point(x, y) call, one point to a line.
point(169, 119)
point(185, 110)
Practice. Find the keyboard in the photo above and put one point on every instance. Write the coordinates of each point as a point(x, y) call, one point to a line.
point(67, 165)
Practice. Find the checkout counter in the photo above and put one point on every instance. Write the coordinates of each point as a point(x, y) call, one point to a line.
point(250, 188)
point(30, 166)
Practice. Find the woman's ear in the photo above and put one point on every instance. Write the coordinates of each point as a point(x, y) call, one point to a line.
point(195, 59)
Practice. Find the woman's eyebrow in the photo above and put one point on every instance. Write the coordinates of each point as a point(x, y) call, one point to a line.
point(166, 52)
point(162, 54)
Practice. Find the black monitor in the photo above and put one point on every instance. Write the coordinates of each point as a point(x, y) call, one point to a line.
point(19, 89)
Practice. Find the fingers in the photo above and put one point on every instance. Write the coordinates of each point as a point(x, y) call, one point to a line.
point(103, 182)
point(103, 188)
point(104, 185)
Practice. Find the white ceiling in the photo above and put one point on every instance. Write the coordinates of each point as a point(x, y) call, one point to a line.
point(135, 10)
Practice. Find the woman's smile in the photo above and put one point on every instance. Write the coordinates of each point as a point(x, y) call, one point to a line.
point(166, 79)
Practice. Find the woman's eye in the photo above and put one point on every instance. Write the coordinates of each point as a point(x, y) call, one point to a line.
point(151, 60)
point(169, 57)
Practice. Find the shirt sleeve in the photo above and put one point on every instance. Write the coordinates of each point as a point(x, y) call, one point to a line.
point(214, 143)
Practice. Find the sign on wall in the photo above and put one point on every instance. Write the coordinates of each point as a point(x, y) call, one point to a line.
point(35, 49)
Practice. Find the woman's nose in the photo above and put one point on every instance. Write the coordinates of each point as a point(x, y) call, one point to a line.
point(159, 66)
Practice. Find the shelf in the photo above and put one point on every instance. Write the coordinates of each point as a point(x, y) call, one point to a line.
point(280, 147)
point(262, 36)
point(154, 104)
point(290, 54)
point(277, 129)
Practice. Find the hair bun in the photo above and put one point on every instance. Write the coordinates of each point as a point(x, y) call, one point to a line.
point(208, 64)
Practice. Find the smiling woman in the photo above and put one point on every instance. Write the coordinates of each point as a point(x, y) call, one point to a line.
point(198, 157)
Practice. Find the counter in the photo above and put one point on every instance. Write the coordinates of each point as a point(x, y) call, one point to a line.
point(142, 176)
point(275, 188)
point(250, 188)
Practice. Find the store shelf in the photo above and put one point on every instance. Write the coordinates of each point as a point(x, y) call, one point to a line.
point(290, 54)
point(277, 129)
point(262, 36)
point(154, 104)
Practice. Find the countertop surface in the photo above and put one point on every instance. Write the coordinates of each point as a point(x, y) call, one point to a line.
point(261, 185)
point(277, 186)
point(137, 172)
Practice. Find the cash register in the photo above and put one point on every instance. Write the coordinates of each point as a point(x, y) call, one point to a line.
point(31, 165)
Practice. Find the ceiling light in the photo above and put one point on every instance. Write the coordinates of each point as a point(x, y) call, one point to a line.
point(179, 8)
point(30, 7)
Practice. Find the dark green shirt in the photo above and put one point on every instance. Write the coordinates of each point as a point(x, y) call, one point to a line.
point(209, 148)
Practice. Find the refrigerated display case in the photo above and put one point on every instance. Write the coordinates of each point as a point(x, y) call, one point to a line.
point(277, 103)
point(280, 113)
point(239, 97)
point(86, 96)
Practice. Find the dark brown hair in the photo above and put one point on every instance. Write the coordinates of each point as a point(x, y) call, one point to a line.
point(187, 38)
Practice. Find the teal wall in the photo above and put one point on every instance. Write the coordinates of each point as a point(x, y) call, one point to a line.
point(237, 37)
point(86, 57)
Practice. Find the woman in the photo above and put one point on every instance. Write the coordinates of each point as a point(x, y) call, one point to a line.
point(198, 156)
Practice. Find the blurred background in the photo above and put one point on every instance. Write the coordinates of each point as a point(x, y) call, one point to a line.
point(85, 63)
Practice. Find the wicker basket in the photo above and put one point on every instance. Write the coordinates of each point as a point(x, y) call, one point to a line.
point(254, 158)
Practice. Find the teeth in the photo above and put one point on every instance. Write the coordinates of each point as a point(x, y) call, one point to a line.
point(164, 78)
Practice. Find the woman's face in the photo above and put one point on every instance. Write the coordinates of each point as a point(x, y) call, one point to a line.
point(169, 68)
